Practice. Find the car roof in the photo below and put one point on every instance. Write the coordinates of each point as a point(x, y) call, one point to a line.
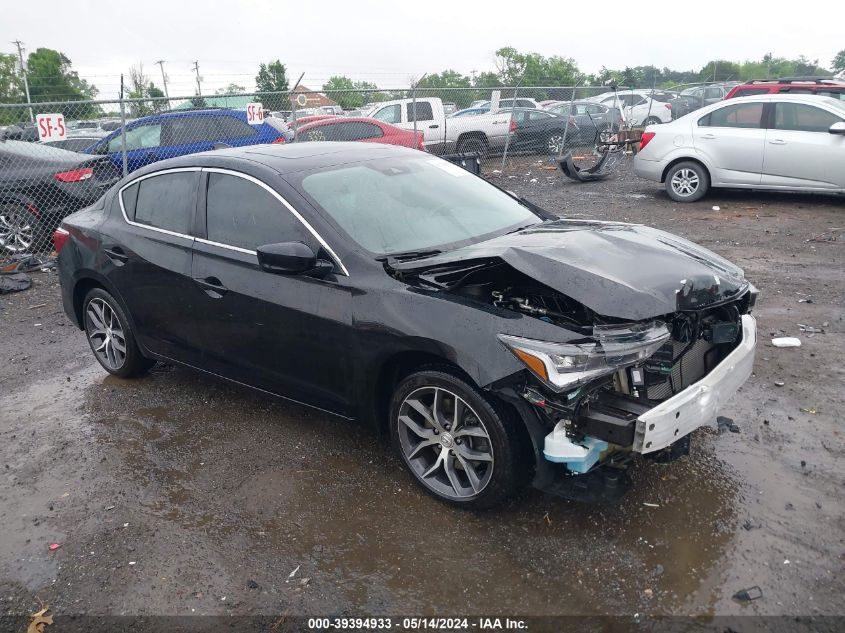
point(287, 158)
point(784, 96)
point(186, 113)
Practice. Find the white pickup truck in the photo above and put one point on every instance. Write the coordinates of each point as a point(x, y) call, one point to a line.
point(442, 134)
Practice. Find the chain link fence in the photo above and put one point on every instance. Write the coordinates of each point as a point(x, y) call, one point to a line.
point(59, 157)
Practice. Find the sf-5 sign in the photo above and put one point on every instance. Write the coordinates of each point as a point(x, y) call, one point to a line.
point(51, 127)
point(254, 113)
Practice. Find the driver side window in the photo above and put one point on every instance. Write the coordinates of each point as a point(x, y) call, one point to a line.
point(389, 114)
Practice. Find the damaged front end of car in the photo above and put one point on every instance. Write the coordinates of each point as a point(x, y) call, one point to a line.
point(656, 334)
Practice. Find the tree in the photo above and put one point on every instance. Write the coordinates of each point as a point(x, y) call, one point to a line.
point(272, 77)
point(51, 78)
point(838, 63)
point(231, 89)
point(528, 70)
point(449, 86)
point(349, 94)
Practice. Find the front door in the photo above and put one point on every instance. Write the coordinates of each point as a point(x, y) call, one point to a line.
point(732, 139)
point(800, 151)
point(287, 334)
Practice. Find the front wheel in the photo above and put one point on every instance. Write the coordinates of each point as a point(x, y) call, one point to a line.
point(461, 447)
point(19, 229)
point(687, 182)
point(111, 337)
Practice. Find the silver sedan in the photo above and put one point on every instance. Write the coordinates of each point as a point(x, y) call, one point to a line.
point(777, 142)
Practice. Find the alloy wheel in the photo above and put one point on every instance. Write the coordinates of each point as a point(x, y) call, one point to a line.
point(555, 143)
point(685, 182)
point(17, 230)
point(105, 333)
point(445, 443)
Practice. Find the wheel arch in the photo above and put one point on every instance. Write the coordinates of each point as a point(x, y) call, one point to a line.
point(685, 159)
point(475, 134)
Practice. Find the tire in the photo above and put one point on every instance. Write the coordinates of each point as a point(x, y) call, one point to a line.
point(20, 230)
point(485, 441)
point(106, 324)
point(687, 181)
point(652, 120)
point(472, 145)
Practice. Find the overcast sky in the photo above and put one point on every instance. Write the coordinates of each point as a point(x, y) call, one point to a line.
point(391, 42)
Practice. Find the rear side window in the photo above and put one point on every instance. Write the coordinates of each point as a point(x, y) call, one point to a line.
point(167, 201)
point(240, 213)
point(359, 130)
point(748, 92)
point(423, 110)
point(185, 130)
point(130, 196)
point(743, 115)
point(232, 127)
point(803, 118)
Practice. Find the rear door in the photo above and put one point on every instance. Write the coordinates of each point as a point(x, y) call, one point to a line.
point(800, 151)
point(731, 139)
point(426, 122)
point(148, 247)
point(183, 135)
point(288, 334)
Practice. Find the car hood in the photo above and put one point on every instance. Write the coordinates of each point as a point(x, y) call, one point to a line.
point(618, 270)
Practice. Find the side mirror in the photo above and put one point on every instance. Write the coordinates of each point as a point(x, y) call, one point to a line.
point(291, 258)
point(838, 128)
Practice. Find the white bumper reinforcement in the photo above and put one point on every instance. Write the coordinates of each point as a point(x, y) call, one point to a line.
point(698, 404)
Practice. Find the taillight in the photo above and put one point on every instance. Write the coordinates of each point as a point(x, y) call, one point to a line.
point(668, 106)
point(513, 125)
point(420, 142)
point(60, 238)
point(74, 175)
point(279, 140)
point(647, 136)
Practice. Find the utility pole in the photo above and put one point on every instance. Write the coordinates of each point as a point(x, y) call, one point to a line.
point(164, 81)
point(19, 44)
point(197, 71)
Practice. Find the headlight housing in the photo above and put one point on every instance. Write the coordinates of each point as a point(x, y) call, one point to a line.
point(565, 365)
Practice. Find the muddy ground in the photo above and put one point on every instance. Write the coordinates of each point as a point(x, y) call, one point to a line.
point(181, 494)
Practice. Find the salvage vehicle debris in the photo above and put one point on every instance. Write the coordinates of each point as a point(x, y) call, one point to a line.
point(786, 341)
point(495, 343)
point(747, 595)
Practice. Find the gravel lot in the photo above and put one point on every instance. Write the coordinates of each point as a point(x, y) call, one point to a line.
point(179, 494)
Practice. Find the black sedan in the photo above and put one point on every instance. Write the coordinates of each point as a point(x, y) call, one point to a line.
point(541, 131)
point(494, 343)
point(39, 186)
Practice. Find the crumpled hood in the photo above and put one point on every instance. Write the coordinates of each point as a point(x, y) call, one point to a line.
point(618, 270)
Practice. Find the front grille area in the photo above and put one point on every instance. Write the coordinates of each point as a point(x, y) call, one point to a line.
point(688, 366)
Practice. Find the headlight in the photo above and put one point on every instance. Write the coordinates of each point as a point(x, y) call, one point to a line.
point(565, 365)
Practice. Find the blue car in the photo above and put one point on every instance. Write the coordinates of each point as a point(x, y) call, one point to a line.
point(159, 136)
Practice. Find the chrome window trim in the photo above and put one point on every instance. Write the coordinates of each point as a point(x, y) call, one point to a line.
point(237, 174)
point(174, 170)
point(286, 204)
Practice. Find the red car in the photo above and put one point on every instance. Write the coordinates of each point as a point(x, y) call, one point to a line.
point(301, 121)
point(824, 86)
point(359, 129)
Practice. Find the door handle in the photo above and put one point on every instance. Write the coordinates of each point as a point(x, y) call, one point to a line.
point(708, 136)
point(777, 141)
point(212, 286)
point(116, 255)
point(433, 127)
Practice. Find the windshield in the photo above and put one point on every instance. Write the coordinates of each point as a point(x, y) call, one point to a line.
point(394, 205)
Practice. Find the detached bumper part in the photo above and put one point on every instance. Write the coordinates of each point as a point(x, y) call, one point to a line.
point(698, 404)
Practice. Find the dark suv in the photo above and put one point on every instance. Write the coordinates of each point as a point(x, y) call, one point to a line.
point(170, 134)
point(824, 86)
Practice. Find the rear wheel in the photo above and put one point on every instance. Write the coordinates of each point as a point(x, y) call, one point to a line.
point(472, 145)
point(687, 182)
point(461, 447)
point(19, 228)
point(554, 142)
point(111, 337)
